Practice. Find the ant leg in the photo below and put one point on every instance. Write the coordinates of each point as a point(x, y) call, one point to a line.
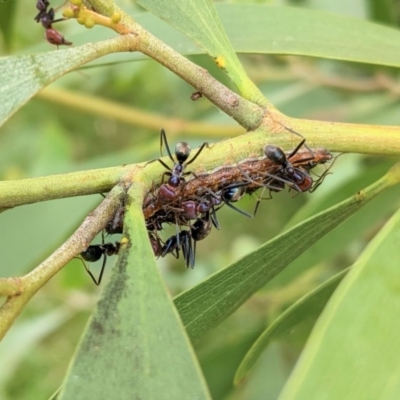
point(164, 175)
point(189, 251)
point(178, 231)
point(263, 198)
point(194, 175)
point(258, 202)
point(246, 214)
point(98, 280)
point(290, 130)
point(295, 133)
point(302, 160)
point(163, 164)
point(322, 177)
point(186, 249)
point(285, 181)
point(248, 177)
point(325, 173)
point(296, 149)
point(213, 217)
point(163, 140)
point(95, 281)
point(198, 153)
point(193, 254)
point(58, 20)
point(170, 247)
point(103, 267)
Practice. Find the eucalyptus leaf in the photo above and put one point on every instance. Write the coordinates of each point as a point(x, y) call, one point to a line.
point(354, 349)
point(21, 77)
point(308, 307)
point(251, 28)
point(289, 30)
point(266, 29)
point(209, 303)
point(199, 20)
point(135, 346)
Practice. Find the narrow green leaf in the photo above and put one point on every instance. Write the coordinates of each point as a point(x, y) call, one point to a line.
point(382, 11)
point(371, 215)
point(252, 28)
point(354, 349)
point(258, 28)
point(21, 77)
point(263, 29)
point(135, 346)
point(199, 20)
point(208, 304)
point(309, 307)
point(7, 13)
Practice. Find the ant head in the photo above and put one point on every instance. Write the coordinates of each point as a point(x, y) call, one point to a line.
point(42, 5)
point(182, 152)
point(275, 154)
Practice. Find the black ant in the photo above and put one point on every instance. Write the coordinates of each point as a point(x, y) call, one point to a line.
point(234, 193)
point(299, 179)
point(230, 194)
point(46, 17)
point(183, 240)
point(296, 178)
point(200, 229)
point(167, 191)
point(94, 252)
point(180, 241)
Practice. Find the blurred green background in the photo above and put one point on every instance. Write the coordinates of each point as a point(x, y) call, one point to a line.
point(46, 137)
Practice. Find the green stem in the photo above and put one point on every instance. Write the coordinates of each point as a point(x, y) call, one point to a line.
point(334, 136)
point(27, 191)
point(20, 292)
point(246, 113)
point(152, 47)
point(345, 137)
point(367, 139)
